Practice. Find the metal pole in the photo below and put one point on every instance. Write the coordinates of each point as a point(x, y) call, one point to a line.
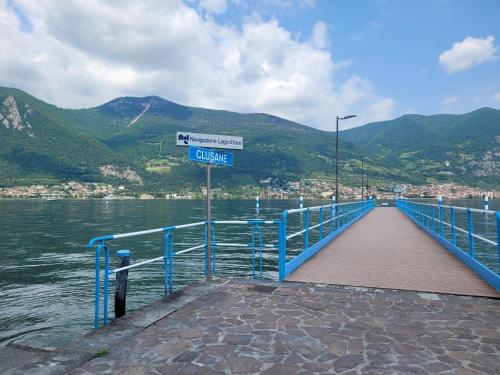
point(367, 186)
point(362, 180)
point(337, 162)
point(453, 229)
point(497, 215)
point(209, 223)
point(469, 227)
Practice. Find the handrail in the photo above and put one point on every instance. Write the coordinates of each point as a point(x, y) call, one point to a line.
point(479, 210)
point(169, 253)
point(94, 240)
point(315, 208)
point(419, 213)
point(321, 223)
point(458, 228)
point(340, 216)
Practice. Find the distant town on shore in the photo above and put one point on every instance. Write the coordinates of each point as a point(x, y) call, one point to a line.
point(308, 188)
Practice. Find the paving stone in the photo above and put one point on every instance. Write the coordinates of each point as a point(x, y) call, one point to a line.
point(436, 367)
point(234, 339)
point(348, 362)
point(338, 348)
point(316, 367)
point(244, 365)
point(190, 333)
point(296, 329)
point(279, 369)
point(186, 357)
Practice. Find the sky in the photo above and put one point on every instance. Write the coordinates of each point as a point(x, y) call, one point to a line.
point(304, 60)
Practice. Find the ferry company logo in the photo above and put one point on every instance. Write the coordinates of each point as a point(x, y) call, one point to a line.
point(183, 138)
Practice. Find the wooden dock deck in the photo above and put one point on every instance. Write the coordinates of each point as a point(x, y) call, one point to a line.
point(386, 250)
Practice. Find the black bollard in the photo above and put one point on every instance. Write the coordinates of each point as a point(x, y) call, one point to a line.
point(121, 282)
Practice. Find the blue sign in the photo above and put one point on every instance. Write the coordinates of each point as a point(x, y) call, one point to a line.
point(205, 155)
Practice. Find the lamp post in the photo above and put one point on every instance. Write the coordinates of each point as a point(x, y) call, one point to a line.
point(367, 187)
point(362, 180)
point(337, 156)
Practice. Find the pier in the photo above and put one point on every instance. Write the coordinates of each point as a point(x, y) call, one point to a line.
point(372, 290)
point(387, 250)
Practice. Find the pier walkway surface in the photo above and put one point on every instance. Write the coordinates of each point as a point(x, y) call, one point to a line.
point(248, 327)
point(386, 250)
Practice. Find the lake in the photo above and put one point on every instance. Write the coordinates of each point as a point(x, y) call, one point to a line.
point(47, 273)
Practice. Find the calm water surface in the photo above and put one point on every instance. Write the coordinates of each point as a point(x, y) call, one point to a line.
point(47, 274)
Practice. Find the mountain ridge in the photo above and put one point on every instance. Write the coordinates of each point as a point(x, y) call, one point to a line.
point(136, 135)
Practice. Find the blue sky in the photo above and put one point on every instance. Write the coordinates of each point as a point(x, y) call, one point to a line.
point(305, 60)
point(396, 44)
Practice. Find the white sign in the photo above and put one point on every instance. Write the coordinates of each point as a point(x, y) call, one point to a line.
point(209, 140)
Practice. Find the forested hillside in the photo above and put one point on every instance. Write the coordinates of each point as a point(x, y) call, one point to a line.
point(132, 140)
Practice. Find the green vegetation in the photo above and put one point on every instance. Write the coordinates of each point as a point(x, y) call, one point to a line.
point(66, 144)
point(460, 148)
point(102, 352)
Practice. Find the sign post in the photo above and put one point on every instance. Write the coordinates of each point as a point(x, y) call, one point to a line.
point(210, 157)
point(209, 222)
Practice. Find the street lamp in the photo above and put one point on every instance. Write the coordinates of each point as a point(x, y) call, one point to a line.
point(337, 156)
point(362, 179)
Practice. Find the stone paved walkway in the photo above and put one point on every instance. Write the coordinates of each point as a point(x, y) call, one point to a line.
point(238, 328)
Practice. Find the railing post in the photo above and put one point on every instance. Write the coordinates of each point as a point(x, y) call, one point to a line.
point(282, 247)
point(441, 225)
point(497, 215)
point(213, 249)
point(337, 213)
point(433, 219)
point(97, 284)
point(470, 229)
point(121, 283)
point(426, 216)
point(97, 291)
point(331, 219)
point(321, 223)
point(253, 252)
point(168, 262)
point(453, 229)
point(306, 234)
point(260, 251)
point(166, 255)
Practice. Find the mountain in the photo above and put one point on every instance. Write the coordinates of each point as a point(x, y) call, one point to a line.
point(132, 140)
point(39, 144)
point(465, 148)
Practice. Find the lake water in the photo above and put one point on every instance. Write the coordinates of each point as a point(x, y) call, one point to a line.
point(47, 273)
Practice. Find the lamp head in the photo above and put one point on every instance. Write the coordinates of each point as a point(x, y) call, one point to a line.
point(346, 117)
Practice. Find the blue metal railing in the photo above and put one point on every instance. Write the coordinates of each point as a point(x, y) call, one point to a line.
point(101, 246)
point(340, 217)
point(481, 259)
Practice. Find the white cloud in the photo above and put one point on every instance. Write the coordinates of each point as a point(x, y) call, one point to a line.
point(496, 96)
point(320, 35)
point(450, 99)
point(82, 53)
point(467, 53)
point(214, 6)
